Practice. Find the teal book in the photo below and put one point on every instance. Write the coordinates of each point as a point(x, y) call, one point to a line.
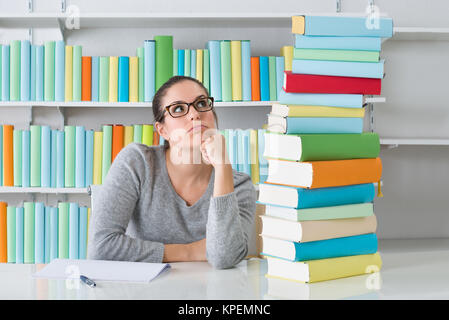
point(45, 156)
point(339, 68)
point(26, 136)
point(193, 63)
point(341, 43)
point(63, 230)
point(35, 156)
point(25, 70)
point(264, 76)
point(28, 232)
point(240, 150)
point(272, 77)
point(246, 70)
point(53, 233)
point(17, 152)
point(322, 249)
point(80, 157)
point(11, 233)
point(246, 152)
point(82, 233)
point(318, 99)
point(225, 62)
point(73, 230)
point(263, 163)
point(47, 232)
point(69, 156)
point(233, 148)
point(19, 234)
point(53, 155)
point(89, 157)
point(39, 233)
point(280, 66)
point(291, 125)
point(60, 159)
point(175, 62)
point(187, 62)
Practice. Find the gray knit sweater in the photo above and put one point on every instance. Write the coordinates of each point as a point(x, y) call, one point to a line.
point(137, 211)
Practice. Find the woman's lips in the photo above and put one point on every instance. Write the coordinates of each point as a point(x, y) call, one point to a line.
point(197, 127)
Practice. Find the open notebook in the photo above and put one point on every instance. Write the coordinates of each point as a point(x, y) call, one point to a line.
point(102, 270)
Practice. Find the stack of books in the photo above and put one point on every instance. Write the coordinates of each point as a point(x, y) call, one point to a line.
point(35, 233)
point(319, 222)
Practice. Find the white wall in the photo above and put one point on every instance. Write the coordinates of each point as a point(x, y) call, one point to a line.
point(415, 202)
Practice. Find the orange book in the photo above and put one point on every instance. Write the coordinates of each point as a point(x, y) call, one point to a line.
point(322, 174)
point(118, 139)
point(155, 137)
point(3, 239)
point(86, 78)
point(255, 79)
point(8, 156)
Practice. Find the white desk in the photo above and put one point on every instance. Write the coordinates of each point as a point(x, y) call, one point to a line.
point(412, 269)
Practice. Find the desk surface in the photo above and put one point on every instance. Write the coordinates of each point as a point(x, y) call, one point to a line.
point(412, 269)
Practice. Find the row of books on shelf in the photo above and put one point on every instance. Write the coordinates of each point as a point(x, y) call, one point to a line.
point(35, 233)
point(77, 157)
point(55, 71)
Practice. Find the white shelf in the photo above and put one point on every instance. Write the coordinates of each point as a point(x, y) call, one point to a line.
point(43, 190)
point(420, 33)
point(417, 141)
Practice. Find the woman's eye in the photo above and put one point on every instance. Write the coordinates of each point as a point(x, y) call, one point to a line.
point(201, 104)
point(178, 109)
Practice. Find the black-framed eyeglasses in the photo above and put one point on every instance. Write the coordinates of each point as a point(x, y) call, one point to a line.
point(180, 109)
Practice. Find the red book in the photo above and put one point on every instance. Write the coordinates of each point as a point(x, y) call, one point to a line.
point(312, 83)
point(118, 135)
point(86, 78)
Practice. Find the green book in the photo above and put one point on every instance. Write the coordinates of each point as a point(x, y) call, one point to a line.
point(317, 147)
point(226, 80)
point(175, 62)
point(147, 134)
point(11, 233)
point(69, 156)
point(49, 71)
point(35, 156)
point(141, 74)
point(63, 230)
point(17, 149)
point(206, 69)
point(358, 210)
point(14, 70)
point(28, 232)
point(187, 62)
point(272, 78)
point(164, 59)
point(336, 55)
point(77, 51)
point(107, 151)
point(137, 133)
point(104, 79)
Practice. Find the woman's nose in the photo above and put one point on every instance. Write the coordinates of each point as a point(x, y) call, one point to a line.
point(193, 113)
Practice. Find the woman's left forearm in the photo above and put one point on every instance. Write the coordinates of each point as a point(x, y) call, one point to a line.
point(224, 181)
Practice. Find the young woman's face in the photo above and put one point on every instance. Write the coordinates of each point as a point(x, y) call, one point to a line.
point(191, 129)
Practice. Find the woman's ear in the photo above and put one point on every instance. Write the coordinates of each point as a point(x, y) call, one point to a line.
point(161, 130)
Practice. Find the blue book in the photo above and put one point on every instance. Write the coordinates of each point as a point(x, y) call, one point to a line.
point(39, 232)
point(95, 78)
point(80, 157)
point(60, 159)
point(26, 136)
point(73, 230)
point(53, 233)
point(89, 163)
point(280, 66)
point(187, 62)
point(322, 249)
point(240, 150)
point(123, 79)
point(339, 68)
point(39, 73)
point(25, 66)
point(19, 235)
point(264, 79)
point(246, 70)
point(33, 73)
point(313, 99)
point(193, 63)
point(5, 73)
point(348, 26)
point(59, 70)
point(232, 148)
point(82, 233)
point(314, 125)
point(45, 156)
point(53, 155)
point(181, 58)
point(215, 69)
point(149, 65)
point(161, 140)
point(47, 231)
point(341, 43)
point(303, 198)
point(246, 153)
point(263, 163)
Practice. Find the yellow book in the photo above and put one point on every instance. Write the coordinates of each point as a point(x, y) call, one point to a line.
point(287, 53)
point(316, 111)
point(113, 79)
point(147, 134)
point(236, 70)
point(129, 135)
point(68, 73)
point(323, 269)
point(199, 65)
point(133, 79)
point(298, 24)
point(254, 156)
point(98, 157)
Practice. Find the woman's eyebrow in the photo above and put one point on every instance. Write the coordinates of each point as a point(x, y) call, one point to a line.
point(180, 101)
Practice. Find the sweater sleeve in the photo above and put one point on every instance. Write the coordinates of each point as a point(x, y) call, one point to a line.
point(229, 224)
point(113, 208)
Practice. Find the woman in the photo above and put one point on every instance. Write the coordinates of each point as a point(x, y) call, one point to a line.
point(177, 202)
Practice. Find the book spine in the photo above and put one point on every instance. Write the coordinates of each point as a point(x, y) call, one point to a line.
point(59, 70)
point(54, 157)
point(236, 70)
point(163, 59)
point(128, 135)
point(339, 68)
point(215, 69)
point(5, 72)
point(40, 73)
point(80, 156)
point(117, 140)
point(11, 233)
point(324, 125)
point(193, 63)
point(140, 57)
point(89, 163)
point(308, 99)
point(39, 233)
point(147, 134)
point(77, 53)
point(8, 155)
point(247, 153)
point(206, 69)
point(25, 66)
point(63, 230)
point(35, 156)
point(98, 157)
point(3, 233)
point(137, 133)
point(14, 75)
point(49, 71)
point(19, 235)
point(113, 79)
point(104, 79)
point(82, 246)
point(133, 79)
point(149, 47)
point(107, 151)
point(175, 62)
point(342, 43)
point(246, 70)
point(95, 78)
point(187, 62)
point(26, 136)
point(47, 232)
point(181, 61)
point(272, 77)
point(254, 157)
point(53, 233)
point(33, 73)
point(17, 158)
point(86, 78)
point(336, 55)
point(287, 53)
point(28, 233)
point(199, 65)
point(255, 79)
point(45, 156)
point(60, 159)
point(68, 83)
point(264, 79)
point(280, 66)
point(123, 79)
point(69, 156)
point(73, 230)
point(226, 78)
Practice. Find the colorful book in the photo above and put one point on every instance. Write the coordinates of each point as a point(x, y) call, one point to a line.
point(340, 68)
point(5, 72)
point(82, 246)
point(163, 59)
point(1, 155)
point(49, 71)
point(312, 99)
point(311, 83)
point(314, 230)
point(137, 133)
point(103, 90)
point(54, 158)
point(86, 78)
point(117, 140)
point(264, 79)
point(80, 156)
point(147, 134)
point(187, 62)
point(322, 174)
point(73, 230)
point(263, 163)
point(39, 233)
point(59, 70)
point(215, 69)
point(336, 55)
point(128, 135)
point(98, 157)
point(287, 53)
point(280, 66)
point(11, 233)
point(89, 162)
point(133, 79)
point(246, 70)
point(321, 249)
point(19, 235)
point(290, 125)
point(40, 73)
point(68, 73)
point(226, 76)
point(14, 70)
point(340, 43)
point(300, 198)
point(199, 65)
point(53, 233)
point(60, 159)
point(107, 151)
point(272, 77)
point(69, 156)
point(26, 136)
point(28, 232)
point(313, 147)
point(294, 111)
point(35, 156)
point(113, 79)
point(47, 232)
point(236, 70)
point(17, 162)
point(140, 57)
point(254, 156)
point(175, 62)
point(63, 230)
point(45, 157)
point(255, 79)
point(323, 269)
point(95, 78)
point(193, 63)
point(206, 69)
point(3, 232)
point(25, 70)
point(181, 60)
point(123, 79)
point(342, 26)
point(149, 48)
point(77, 53)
